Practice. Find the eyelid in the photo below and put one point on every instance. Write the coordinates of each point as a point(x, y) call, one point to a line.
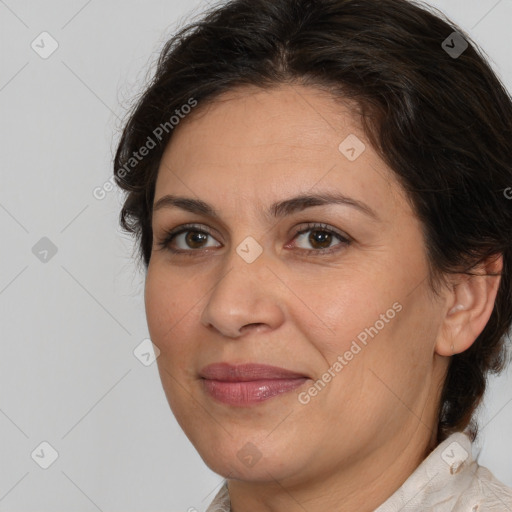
point(344, 239)
point(171, 234)
point(320, 226)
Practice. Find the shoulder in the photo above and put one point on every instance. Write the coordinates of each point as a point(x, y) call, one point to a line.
point(473, 487)
point(221, 502)
point(451, 480)
point(485, 493)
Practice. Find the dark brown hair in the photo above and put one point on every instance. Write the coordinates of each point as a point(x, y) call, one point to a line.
point(442, 122)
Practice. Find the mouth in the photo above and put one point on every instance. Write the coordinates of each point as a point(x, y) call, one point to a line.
point(248, 384)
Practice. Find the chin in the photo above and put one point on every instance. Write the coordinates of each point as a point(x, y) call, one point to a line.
point(241, 459)
point(263, 470)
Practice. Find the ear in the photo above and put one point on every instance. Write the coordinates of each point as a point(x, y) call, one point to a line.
point(469, 305)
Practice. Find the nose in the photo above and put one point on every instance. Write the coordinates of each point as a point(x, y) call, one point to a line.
point(247, 297)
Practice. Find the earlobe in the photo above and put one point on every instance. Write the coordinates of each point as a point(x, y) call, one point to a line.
point(469, 306)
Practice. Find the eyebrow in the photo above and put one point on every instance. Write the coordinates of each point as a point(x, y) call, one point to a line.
point(276, 210)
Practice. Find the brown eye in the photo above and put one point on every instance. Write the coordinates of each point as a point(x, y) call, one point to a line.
point(187, 240)
point(195, 239)
point(321, 239)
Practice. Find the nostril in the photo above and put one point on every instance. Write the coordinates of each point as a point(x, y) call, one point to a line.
point(252, 326)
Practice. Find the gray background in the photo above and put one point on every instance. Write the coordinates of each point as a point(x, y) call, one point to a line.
point(70, 324)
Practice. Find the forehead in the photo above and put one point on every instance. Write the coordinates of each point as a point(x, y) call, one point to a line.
point(267, 122)
point(257, 142)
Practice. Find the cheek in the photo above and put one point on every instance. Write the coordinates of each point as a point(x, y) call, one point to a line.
point(380, 341)
point(350, 305)
point(169, 309)
point(379, 385)
point(168, 302)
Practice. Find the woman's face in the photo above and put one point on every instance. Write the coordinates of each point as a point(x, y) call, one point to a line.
point(335, 292)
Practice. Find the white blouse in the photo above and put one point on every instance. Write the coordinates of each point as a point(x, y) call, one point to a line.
point(448, 480)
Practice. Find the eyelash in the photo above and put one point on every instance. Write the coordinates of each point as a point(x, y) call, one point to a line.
point(172, 234)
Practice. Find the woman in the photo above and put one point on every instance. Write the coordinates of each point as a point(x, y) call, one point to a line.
point(319, 193)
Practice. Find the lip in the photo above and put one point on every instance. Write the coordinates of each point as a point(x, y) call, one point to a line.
point(248, 384)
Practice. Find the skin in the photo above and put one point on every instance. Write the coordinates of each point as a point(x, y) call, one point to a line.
point(365, 432)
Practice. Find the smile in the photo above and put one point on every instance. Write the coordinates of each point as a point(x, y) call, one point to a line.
point(249, 384)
